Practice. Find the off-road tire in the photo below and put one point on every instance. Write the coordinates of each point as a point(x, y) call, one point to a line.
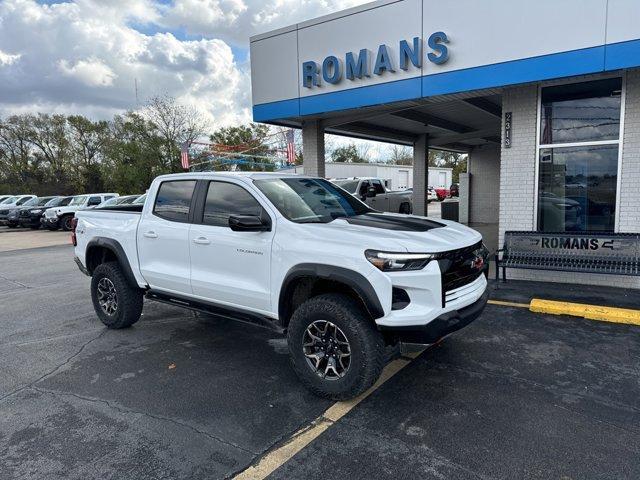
point(367, 345)
point(129, 298)
point(65, 223)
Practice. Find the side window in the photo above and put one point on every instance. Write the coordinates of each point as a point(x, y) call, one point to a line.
point(363, 188)
point(174, 200)
point(378, 186)
point(225, 199)
point(22, 200)
point(94, 201)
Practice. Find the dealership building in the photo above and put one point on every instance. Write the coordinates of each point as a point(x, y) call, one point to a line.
point(543, 96)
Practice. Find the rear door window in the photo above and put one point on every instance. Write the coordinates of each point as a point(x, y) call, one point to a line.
point(173, 200)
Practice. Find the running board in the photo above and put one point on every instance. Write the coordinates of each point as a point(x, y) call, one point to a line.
point(217, 310)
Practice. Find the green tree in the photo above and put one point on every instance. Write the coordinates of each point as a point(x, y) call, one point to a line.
point(87, 140)
point(454, 160)
point(347, 154)
point(247, 143)
point(132, 154)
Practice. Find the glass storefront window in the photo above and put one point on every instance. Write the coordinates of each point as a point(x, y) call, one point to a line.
point(581, 112)
point(577, 183)
point(577, 190)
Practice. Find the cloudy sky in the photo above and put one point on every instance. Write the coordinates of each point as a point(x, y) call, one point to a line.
point(85, 56)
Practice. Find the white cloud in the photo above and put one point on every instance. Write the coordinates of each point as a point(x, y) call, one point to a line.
point(8, 58)
point(85, 57)
point(236, 20)
point(92, 72)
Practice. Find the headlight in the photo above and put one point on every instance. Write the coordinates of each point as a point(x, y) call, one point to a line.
point(395, 261)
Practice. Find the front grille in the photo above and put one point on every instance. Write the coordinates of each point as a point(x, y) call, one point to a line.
point(459, 267)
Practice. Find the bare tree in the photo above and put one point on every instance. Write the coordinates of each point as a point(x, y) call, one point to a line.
point(401, 155)
point(176, 124)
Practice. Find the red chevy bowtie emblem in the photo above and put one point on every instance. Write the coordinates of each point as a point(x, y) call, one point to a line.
point(477, 263)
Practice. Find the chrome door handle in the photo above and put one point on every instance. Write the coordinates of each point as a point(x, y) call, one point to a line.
point(202, 241)
point(150, 234)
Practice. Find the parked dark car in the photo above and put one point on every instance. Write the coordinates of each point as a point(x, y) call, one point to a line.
point(31, 217)
point(15, 216)
point(454, 191)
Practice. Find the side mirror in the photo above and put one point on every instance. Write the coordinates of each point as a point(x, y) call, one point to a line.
point(371, 192)
point(248, 223)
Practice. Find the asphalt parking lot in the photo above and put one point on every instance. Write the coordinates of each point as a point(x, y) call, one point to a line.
point(183, 395)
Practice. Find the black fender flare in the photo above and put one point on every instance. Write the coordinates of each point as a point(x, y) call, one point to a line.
point(115, 247)
point(353, 279)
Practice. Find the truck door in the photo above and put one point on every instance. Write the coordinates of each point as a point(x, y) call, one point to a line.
point(381, 200)
point(163, 238)
point(229, 267)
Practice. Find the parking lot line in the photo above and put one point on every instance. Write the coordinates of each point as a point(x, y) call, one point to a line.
point(508, 304)
point(303, 437)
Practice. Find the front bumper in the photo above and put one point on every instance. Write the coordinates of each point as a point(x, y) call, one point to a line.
point(49, 221)
point(441, 326)
point(29, 220)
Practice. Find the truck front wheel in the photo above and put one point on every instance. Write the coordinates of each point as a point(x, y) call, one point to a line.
point(334, 347)
point(117, 303)
point(66, 223)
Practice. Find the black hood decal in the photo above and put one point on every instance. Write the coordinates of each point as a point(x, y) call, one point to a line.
point(392, 222)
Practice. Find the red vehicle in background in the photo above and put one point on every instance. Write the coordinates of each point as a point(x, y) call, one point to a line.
point(442, 193)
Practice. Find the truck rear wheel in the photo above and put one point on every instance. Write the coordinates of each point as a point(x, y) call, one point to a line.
point(334, 347)
point(117, 303)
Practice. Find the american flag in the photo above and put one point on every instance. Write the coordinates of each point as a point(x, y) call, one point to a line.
point(291, 147)
point(184, 155)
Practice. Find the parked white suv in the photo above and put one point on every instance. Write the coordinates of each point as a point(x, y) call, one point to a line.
point(61, 217)
point(294, 252)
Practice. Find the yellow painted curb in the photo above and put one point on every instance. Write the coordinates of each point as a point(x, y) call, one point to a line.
point(591, 312)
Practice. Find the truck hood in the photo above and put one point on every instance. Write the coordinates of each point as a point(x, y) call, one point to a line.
point(397, 232)
point(49, 212)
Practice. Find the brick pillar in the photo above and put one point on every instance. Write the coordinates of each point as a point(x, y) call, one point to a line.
point(629, 196)
point(465, 194)
point(313, 148)
point(420, 175)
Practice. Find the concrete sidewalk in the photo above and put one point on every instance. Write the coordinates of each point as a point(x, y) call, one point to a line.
point(22, 239)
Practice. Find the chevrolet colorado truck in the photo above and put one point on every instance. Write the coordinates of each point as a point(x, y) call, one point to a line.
point(374, 193)
point(297, 253)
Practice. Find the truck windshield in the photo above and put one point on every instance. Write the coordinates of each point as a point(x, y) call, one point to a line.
point(79, 200)
point(349, 185)
point(310, 200)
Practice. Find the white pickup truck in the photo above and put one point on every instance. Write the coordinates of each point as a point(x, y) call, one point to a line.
point(342, 280)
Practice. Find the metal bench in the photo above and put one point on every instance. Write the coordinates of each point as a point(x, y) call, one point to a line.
point(584, 252)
